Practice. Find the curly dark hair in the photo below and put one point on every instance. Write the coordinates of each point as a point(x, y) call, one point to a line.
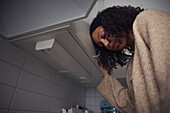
point(115, 20)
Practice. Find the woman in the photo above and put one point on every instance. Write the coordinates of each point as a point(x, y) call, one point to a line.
point(140, 38)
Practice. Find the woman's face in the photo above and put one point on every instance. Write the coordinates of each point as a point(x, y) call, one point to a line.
point(111, 43)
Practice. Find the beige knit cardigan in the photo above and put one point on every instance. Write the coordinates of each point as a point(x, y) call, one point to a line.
point(148, 71)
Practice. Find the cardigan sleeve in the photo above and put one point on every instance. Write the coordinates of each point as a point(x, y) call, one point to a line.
point(151, 67)
point(117, 95)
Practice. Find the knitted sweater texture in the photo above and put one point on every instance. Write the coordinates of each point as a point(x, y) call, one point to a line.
point(148, 71)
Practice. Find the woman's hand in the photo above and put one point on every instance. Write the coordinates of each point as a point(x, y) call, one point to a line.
point(102, 68)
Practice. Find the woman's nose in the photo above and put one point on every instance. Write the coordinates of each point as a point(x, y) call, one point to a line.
point(105, 42)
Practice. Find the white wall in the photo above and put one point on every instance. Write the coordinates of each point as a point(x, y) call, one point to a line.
point(28, 85)
point(93, 99)
point(163, 5)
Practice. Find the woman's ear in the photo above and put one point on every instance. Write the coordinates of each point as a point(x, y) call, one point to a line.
point(101, 28)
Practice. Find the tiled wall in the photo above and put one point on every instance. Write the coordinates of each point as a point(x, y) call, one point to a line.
point(27, 85)
point(94, 98)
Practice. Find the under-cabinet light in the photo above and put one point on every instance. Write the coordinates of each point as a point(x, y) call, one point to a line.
point(47, 44)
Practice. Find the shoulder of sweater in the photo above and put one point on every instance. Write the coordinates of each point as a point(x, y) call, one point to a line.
point(150, 13)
